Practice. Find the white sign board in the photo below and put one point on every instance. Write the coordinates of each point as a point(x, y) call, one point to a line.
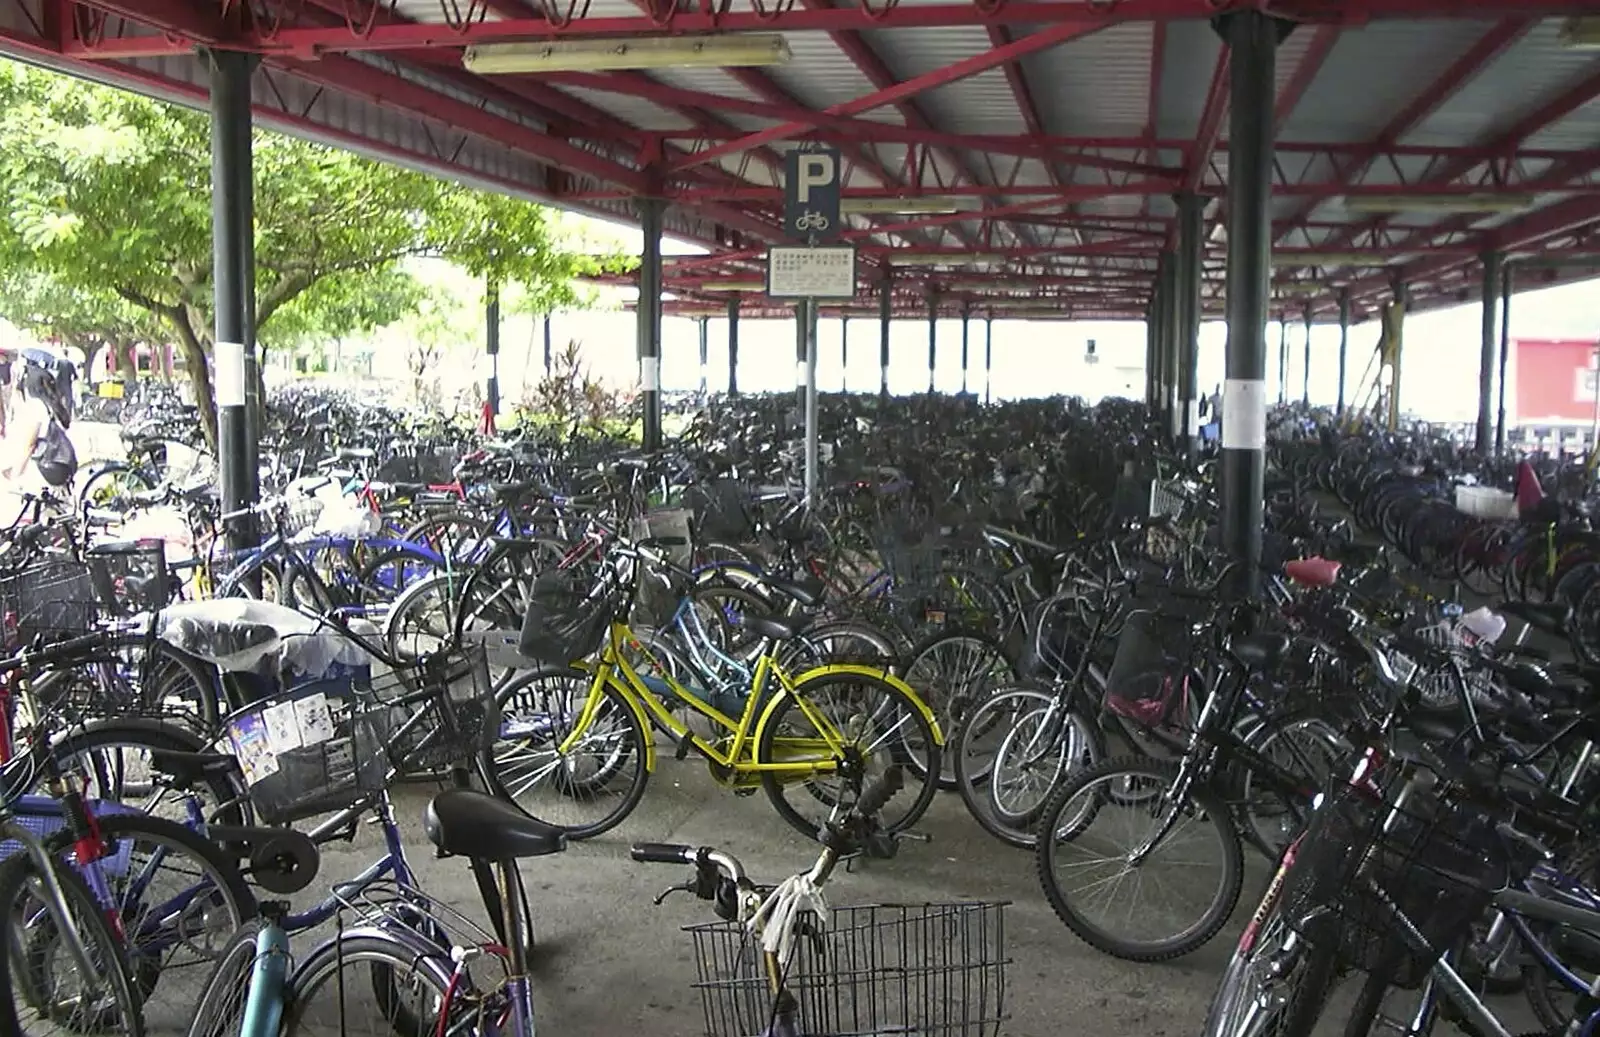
point(800, 272)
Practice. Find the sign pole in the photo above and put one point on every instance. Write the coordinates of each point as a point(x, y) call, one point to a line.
point(813, 432)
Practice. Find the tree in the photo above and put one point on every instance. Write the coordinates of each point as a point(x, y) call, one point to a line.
point(87, 320)
point(105, 192)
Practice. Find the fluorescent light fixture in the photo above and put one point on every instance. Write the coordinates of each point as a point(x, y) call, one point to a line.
point(943, 258)
point(1327, 259)
point(1446, 203)
point(1581, 33)
point(734, 286)
point(923, 206)
point(732, 50)
point(1300, 288)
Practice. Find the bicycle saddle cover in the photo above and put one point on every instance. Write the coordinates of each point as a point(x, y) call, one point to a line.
point(1313, 572)
point(467, 823)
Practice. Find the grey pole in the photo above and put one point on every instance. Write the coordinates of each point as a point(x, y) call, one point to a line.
point(1486, 359)
point(1150, 347)
point(491, 346)
point(1283, 358)
point(705, 353)
point(988, 357)
point(648, 320)
point(1191, 224)
point(1252, 39)
point(733, 346)
point(232, 259)
point(802, 332)
point(1171, 338)
point(1344, 344)
point(966, 320)
point(885, 306)
point(1305, 375)
point(933, 335)
point(1506, 280)
point(844, 352)
point(808, 324)
point(1159, 332)
point(549, 320)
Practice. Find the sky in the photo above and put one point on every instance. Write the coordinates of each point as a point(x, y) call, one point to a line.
point(1439, 365)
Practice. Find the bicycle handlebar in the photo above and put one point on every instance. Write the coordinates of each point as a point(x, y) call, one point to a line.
point(57, 652)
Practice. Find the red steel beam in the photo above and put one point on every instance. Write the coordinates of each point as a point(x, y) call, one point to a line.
point(967, 67)
point(187, 25)
point(1488, 47)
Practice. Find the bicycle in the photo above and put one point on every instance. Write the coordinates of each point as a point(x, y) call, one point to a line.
point(780, 963)
point(582, 741)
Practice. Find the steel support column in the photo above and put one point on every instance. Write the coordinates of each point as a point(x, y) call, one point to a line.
point(933, 336)
point(1344, 345)
point(1157, 374)
point(1191, 217)
point(733, 346)
point(885, 305)
point(1305, 362)
point(1171, 313)
point(808, 332)
point(1507, 278)
point(1283, 359)
point(1252, 39)
point(966, 320)
point(802, 355)
point(549, 319)
point(988, 357)
point(705, 353)
point(491, 348)
point(844, 352)
point(1486, 358)
point(1150, 347)
point(648, 319)
point(232, 278)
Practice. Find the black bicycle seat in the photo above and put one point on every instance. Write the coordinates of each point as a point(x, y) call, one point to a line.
point(807, 591)
point(779, 628)
point(1262, 653)
point(466, 823)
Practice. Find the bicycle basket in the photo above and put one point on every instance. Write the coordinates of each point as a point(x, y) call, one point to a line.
point(324, 745)
point(130, 578)
point(720, 512)
point(1149, 675)
point(50, 601)
point(925, 968)
point(566, 620)
point(1437, 863)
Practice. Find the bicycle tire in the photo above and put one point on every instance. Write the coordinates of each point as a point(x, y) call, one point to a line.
point(632, 735)
point(951, 704)
point(1216, 811)
point(224, 794)
point(924, 772)
point(20, 959)
point(381, 955)
point(222, 999)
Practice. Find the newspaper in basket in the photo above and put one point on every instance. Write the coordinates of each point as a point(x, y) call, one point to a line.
point(327, 744)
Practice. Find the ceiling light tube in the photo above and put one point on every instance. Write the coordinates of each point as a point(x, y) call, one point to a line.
point(1446, 203)
point(943, 258)
point(732, 50)
point(923, 206)
point(1327, 259)
point(1581, 33)
point(734, 286)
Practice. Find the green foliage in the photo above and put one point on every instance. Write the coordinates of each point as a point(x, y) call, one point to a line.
point(107, 196)
point(569, 397)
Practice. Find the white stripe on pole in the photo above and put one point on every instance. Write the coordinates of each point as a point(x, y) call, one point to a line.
point(1244, 414)
point(228, 382)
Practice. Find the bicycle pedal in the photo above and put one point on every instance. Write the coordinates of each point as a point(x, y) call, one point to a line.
point(685, 744)
point(913, 837)
point(744, 790)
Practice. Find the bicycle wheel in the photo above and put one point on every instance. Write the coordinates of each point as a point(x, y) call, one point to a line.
point(1012, 752)
point(1097, 876)
point(364, 983)
point(48, 993)
point(112, 759)
point(1277, 987)
point(953, 672)
point(877, 723)
point(222, 997)
point(592, 786)
point(177, 898)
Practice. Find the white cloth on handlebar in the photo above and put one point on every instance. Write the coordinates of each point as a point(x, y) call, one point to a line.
point(775, 919)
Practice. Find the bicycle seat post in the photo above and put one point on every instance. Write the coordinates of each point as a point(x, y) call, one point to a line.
point(511, 911)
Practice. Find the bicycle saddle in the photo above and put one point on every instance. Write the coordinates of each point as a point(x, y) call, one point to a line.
point(466, 823)
point(807, 591)
point(779, 628)
point(1549, 616)
point(1261, 652)
point(1313, 572)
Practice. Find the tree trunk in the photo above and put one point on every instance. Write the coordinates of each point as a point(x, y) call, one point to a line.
point(194, 358)
point(127, 366)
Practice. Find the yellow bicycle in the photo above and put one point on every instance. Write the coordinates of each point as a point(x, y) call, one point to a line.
point(576, 747)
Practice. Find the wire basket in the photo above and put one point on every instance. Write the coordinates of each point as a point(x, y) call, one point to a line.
point(51, 600)
point(325, 745)
point(567, 618)
point(130, 578)
point(1150, 673)
point(933, 969)
point(1361, 859)
point(721, 511)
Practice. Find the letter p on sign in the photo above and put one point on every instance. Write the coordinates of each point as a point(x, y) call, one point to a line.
point(816, 170)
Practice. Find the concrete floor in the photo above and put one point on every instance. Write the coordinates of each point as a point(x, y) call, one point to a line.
point(612, 963)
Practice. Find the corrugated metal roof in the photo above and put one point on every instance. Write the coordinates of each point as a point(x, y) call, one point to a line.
point(1527, 74)
point(1190, 61)
point(1373, 72)
point(635, 111)
point(819, 74)
point(1098, 85)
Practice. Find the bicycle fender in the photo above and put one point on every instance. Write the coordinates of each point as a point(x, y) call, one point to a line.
point(856, 669)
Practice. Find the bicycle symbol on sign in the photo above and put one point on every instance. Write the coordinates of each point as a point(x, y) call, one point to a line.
point(811, 221)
